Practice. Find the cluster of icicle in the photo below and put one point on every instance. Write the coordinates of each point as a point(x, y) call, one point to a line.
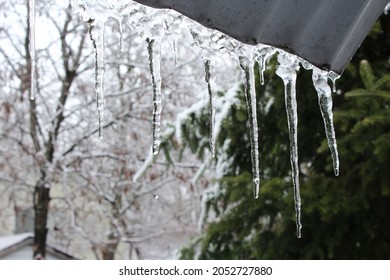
point(153, 25)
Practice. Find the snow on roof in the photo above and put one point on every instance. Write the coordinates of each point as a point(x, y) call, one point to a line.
point(10, 240)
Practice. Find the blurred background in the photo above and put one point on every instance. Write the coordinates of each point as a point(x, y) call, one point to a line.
point(110, 199)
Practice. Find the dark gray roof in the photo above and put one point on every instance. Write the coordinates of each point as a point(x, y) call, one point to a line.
point(326, 33)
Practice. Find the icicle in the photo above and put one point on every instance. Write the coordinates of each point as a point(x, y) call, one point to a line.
point(210, 77)
point(151, 28)
point(333, 77)
point(262, 54)
point(247, 66)
point(154, 49)
point(96, 32)
point(205, 45)
point(261, 62)
point(325, 101)
point(31, 15)
point(287, 71)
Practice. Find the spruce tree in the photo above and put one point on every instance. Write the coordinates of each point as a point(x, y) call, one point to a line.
point(344, 217)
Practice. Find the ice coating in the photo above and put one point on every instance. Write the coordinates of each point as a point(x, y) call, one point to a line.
point(210, 77)
point(147, 163)
point(207, 43)
point(96, 32)
point(325, 101)
point(31, 23)
point(154, 49)
point(288, 65)
point(102, 9)
point(247, 66)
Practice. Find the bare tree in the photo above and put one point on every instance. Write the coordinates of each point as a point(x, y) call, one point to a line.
point(158, 205)
point(38, 135)
point(46, 145)
point(50, 149)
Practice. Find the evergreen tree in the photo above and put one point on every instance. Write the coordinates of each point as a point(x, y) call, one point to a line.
point(343, 217)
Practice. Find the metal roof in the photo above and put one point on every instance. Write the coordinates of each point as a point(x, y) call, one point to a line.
point(326, 33)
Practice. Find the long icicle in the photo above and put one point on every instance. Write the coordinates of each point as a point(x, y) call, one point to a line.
point(210, 77)
point(31, 23)
point(287, 71)
point(96, 32)
point(247, 66)
point(325, 101)
point(154, 49)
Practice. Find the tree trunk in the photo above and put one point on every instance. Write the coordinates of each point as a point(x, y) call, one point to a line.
point(109, 249)
point(41, 208)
